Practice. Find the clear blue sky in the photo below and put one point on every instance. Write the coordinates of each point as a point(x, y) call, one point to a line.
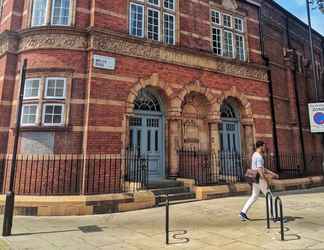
point(298, 8)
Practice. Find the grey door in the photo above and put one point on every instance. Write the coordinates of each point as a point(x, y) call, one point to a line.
point(229, 136)
point(146, 135)
point(230, 158)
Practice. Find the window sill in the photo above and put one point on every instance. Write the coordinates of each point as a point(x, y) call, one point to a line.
point(43, 129)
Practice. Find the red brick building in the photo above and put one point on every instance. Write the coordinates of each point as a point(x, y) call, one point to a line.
point(158, 75)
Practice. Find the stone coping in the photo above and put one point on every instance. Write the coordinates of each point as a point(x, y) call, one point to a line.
point(217, 191)
point(80, 205)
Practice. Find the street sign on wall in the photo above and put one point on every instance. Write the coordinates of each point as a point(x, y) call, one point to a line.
point(316, 117)
point(104, 62)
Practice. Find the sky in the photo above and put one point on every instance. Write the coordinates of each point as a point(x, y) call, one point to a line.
point(298, 8)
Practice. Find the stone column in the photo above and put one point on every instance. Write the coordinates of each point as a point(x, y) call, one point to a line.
point(214, 145)
point(174, 137)
point(248, 138)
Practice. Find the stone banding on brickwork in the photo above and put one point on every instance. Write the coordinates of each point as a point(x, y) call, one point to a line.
point(60, 39)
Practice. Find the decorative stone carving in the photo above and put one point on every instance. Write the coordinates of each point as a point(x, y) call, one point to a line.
point(53, 41)
point(124, 47)
point(230, 4)
point(169, 55)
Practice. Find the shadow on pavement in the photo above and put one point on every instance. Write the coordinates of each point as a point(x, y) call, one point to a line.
point(84, 229)
point(180, 240)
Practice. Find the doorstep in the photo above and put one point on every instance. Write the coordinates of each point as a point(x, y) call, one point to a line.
point(219, 191)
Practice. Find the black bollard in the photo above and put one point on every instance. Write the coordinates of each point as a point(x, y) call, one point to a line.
point(167, 220)
point(8, 214)
point(268, 196)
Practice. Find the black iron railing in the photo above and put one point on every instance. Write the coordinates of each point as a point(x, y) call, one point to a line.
point(75, 174)
point(208, 168)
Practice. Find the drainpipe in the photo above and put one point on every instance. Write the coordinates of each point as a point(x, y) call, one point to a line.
point(272, 107)
point(300, 127)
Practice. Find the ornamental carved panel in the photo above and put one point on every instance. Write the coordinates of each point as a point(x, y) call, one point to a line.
point(53, 41)
point(170, 55)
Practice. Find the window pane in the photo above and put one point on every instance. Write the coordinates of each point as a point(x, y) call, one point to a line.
point(169, 4)
point(238, 24)
point(228, 44)
point(136, 20)
point(61, 12)
point(154, 2)
point(169, 29)
point(31, 88)
point(149, 140)
point(39, 12)
point(240, 50)
point(55, 88)
point(227, 21)
point(215, 16)
point(217, 41)
point(156, 140)
point(29, 113)
point(153, 23)
point(53, 114)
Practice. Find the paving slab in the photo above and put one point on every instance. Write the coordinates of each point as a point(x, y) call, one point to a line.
point(209, 224)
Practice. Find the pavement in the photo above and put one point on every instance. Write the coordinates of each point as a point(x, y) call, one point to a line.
point(212, 224)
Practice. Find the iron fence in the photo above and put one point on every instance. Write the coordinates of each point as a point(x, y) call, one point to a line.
point(208, 168)
point(75, 174)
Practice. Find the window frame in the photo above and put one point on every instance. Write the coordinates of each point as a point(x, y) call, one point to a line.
point(46, 13)
point(161, 11)
point(220, 17)
point(52, 14)
point(242, 22)
point(159, 23)
point(46, 88)
point(236, 48)
point(44, 105)
point(174, 5)
point(231, 20)
point(153, 4)
point(130, 19)
point(49, 14)
point(221, 40)
point(174, 28)
point(224, 43)
point(38, 92)
point(36, 115)
point(234, 34)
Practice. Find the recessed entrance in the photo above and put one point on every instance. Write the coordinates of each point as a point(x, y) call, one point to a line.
point(147, 131)
point(229, 129)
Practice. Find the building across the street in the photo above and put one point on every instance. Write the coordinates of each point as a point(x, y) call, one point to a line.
point(157, 75)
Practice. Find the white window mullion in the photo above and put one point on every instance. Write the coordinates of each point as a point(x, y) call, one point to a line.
point(217, 41)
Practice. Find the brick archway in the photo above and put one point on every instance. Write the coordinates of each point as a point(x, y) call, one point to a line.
point(152, 81)
point(246, 109)
point(196, 87)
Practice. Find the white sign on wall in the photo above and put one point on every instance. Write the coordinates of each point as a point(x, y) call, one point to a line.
point(104, 62)
point(316, 117)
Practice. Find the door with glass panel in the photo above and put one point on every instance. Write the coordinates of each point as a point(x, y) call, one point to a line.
point(230, 142)
point(146, 138)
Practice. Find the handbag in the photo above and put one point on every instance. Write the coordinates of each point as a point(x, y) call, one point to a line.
point(251, 176)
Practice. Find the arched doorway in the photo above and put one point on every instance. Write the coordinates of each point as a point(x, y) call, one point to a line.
point(229, 128)
point(147, 130)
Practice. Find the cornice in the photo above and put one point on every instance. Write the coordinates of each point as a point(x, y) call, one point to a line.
point(98, 40)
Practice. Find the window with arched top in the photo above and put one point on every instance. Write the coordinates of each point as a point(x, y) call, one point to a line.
point(146, 101)
point(227, 111)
